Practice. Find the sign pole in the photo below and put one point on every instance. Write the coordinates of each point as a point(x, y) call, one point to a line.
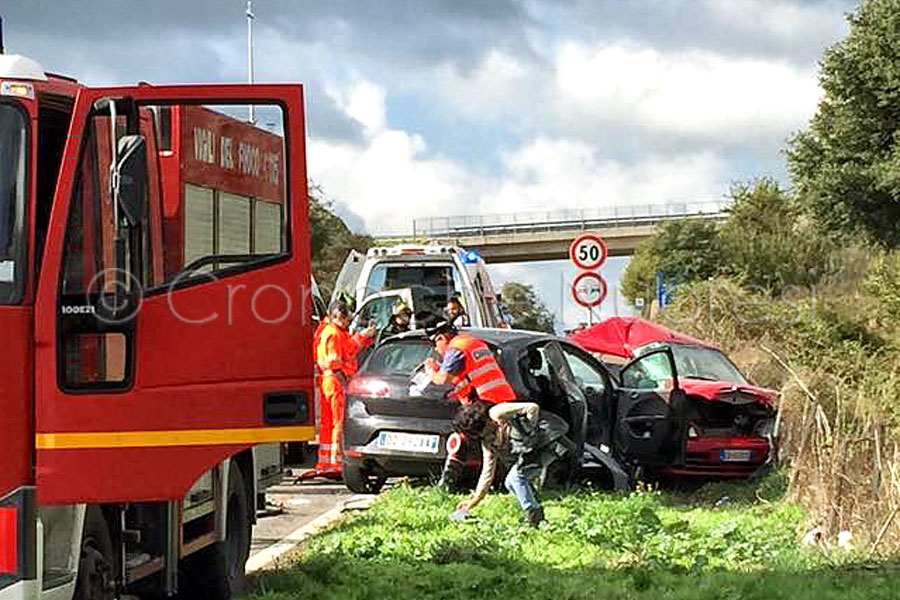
point(588, 252)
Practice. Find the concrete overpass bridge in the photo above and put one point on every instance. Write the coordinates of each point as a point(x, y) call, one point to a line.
point(546, 235)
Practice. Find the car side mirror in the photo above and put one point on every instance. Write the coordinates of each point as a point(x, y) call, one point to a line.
point(130, 178)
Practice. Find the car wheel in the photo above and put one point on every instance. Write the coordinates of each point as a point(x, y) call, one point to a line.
point(361, 481)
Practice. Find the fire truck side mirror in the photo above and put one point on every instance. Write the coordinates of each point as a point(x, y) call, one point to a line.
point(131, 175)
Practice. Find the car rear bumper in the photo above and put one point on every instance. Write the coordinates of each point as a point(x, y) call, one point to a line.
point(703, 457)
point(361, 444)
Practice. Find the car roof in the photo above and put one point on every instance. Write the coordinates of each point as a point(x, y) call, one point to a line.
point(495, 336)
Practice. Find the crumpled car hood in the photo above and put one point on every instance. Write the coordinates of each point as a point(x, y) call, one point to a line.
point(724, 391)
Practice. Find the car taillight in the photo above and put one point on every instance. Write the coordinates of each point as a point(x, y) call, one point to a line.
point(368, 387)
point(9, 540)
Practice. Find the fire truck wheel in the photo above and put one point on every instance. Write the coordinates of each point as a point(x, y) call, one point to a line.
point(97, 563)
point(360, 481)
point(217, 572)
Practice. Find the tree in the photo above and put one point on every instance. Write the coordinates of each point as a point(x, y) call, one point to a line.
point(846, 165)
point(330, 239)
point(683, 251)
point(766, 242)
point(526, 309)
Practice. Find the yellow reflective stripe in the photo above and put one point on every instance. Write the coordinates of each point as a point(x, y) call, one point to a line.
point(178, 437)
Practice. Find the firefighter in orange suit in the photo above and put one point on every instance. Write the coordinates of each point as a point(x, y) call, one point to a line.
point(335, 353)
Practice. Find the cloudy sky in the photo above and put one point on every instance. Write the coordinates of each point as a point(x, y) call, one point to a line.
point(433, 107)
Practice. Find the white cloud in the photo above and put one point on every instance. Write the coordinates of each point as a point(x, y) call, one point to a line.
point(563, 173)
point(387, 179)
point(390, 177)
point(692, 93)
point(365, 104)
point(790, 22)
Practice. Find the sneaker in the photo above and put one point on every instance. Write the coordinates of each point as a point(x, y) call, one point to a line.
point(534, 516)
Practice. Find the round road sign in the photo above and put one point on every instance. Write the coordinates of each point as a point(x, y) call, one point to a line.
point(588, 251)
point(589, 289)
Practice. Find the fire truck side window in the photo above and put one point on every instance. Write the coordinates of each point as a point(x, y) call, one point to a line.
point(223, 181)
point(90, 265)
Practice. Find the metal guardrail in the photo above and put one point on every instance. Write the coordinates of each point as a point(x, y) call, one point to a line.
point(531, 222)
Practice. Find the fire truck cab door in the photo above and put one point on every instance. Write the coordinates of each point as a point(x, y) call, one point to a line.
point(162, 346)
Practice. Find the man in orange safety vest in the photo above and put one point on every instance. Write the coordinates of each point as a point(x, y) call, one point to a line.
point(335, 353)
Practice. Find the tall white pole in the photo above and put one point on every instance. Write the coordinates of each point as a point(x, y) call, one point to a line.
point(250, 52)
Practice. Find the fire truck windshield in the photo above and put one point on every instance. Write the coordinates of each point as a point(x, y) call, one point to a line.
point(12, 202)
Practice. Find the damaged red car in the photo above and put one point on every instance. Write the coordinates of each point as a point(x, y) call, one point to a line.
point(693, 412)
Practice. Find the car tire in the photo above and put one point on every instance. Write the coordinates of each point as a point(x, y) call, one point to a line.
point(360, 480)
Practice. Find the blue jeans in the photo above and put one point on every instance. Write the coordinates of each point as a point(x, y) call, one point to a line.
point(520, 487)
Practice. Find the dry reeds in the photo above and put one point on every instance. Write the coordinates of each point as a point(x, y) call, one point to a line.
point(838, 371)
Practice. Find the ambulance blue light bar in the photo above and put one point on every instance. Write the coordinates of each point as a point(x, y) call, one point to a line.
point(471, 257)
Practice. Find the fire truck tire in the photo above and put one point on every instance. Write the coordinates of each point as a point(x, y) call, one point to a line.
point(97, 560)
point(360, 481)
point(217, 572)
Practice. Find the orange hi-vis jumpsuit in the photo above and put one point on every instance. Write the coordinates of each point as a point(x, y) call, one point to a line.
point(335, 352)
point(480, 372)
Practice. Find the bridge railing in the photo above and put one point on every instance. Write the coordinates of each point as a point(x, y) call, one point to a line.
point(555, 220)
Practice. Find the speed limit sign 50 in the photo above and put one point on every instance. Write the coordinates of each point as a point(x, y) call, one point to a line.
point(588, 251)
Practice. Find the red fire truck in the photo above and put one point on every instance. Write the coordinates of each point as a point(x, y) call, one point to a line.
point(156, 319)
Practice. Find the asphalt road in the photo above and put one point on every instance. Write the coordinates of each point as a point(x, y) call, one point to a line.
point(293, 505)
point(295, 511)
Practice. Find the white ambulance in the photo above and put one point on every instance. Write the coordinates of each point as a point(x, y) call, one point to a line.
point(425, 277)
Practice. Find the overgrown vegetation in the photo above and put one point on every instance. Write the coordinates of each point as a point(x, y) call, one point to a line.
point(766, 243)
point(727, 542)
point(846, 165)
point(525, 308)
point(835, 356)
point(803, 288)
point(330, 240)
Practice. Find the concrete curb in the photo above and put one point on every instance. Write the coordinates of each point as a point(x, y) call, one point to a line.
point(268, 558)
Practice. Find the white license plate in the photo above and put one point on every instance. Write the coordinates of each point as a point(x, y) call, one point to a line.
point(411, 442)
point(735, 455)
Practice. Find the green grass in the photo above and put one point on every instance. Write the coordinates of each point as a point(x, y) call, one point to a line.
point(646, 545)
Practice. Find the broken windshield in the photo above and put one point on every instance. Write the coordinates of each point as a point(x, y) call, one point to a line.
point(698, 362)
point(12, 203)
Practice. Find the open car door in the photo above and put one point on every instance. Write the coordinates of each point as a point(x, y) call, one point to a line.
point(172, 329)
point(377, 308)
point(348, 278)
point(647, 410)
